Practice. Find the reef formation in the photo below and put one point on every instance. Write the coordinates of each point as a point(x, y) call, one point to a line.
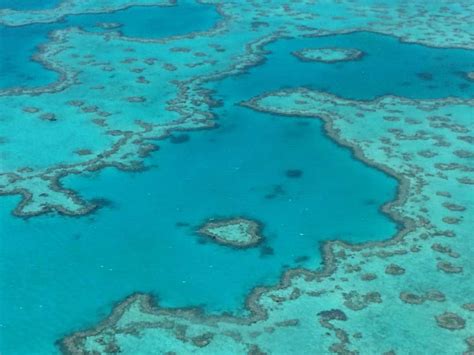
point(91, 81)
point(368, 298)
point(328, 55)
point(420, 278)
point(235, 232)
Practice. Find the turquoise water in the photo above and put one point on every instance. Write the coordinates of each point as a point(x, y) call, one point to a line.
point(214, 173)
point(19, 44)
point(134, 243)
point(28, 4)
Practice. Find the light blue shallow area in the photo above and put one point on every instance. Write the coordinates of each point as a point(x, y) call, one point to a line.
point(59, 274)
point(19, 44)
point(28, 4)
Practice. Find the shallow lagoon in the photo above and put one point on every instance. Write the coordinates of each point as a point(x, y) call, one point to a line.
point(47, 262)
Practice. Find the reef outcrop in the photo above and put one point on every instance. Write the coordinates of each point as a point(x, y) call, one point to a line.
point(236, 232)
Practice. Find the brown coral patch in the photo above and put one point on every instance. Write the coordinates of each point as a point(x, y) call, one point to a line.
point(394, 269)
point(451, 321)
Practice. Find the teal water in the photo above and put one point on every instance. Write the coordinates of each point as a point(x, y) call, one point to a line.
point(389, 67)
point(134, 245)
point(112, 255)
point(59, 274)
point(28, 4)
point(19, 44)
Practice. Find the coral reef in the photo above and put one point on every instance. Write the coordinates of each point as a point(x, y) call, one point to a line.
point(375, 296)
point(235, 232)
point(419, 280)
point(115, 134)
point(328, 55)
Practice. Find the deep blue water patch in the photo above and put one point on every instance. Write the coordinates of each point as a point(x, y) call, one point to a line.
point(388, 67)
point(19, 44)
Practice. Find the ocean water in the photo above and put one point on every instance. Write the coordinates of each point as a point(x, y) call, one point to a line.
point(19, 44)
point(134, 242)
point(28, 4)
point(388, 67)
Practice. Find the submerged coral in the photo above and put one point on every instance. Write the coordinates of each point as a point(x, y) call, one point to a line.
point(408, 262)
point(368, 296)
point(329, 55)
point(236, 232)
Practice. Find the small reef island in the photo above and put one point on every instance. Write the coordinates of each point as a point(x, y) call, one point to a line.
point(235, 232)
point(328, 55)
